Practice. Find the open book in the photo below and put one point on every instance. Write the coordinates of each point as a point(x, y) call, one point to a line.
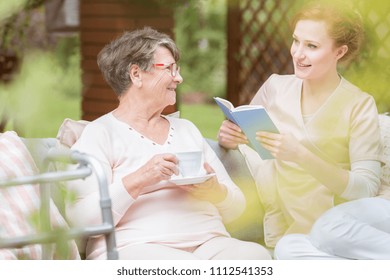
point(250, 118)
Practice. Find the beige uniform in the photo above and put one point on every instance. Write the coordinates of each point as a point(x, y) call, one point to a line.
point(344, 130)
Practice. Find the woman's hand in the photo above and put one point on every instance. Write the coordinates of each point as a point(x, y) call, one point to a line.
point(210, 190)
point(287, 147)
point(282, 146)
point(159, 167)
point(230, 135)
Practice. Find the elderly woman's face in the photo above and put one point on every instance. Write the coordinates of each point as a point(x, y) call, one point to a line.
point(161, 83)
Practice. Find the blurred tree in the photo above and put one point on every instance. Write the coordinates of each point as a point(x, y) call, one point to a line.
point(44, 70)
point(14, 26)
point(200, 31)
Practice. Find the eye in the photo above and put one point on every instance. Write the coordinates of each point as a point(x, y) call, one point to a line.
point(311, 46)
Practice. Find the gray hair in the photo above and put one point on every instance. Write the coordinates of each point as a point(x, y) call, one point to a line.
point(135, 47)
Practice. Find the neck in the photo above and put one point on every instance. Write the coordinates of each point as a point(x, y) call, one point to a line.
point(320, 87)
point(136, 111)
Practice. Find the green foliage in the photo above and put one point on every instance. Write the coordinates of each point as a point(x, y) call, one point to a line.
point(61, 250)
point(8, 8)
point(372, 71)
point(373, 77)
point(201, 36)
point(15, 18)
point(11, 26)
point(45, 92)
point(67, 53)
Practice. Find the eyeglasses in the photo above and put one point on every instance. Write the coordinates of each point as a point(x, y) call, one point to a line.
point(173, 68)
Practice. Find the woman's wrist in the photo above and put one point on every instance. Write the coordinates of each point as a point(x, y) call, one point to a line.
point(220, 194)
point(132, 184)
point(302, 155)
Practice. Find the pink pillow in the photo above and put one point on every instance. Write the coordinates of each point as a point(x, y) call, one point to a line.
point(18, 204)
point(70, 130)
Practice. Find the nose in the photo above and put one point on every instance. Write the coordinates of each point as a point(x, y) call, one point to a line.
point(178, 78)
point(297, 51)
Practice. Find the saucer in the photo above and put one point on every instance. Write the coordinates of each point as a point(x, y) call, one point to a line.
point(191, 180)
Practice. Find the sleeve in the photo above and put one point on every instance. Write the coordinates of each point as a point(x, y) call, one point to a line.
point(364, 180)
point(266, 93)
point(85, 210)
point(365, 143)
point(261, 96)
point(364, 150)
point(234, 204)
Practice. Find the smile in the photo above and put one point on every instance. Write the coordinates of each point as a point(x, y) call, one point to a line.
point(302, 65)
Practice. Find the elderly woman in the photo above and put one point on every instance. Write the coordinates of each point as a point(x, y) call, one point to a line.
point(136, 144)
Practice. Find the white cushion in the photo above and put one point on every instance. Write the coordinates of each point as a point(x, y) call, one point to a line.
point(384, 123)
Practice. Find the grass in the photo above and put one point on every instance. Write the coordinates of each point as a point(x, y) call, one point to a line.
point(206, 117)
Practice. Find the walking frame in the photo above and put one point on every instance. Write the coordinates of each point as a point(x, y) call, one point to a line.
point(87, 165)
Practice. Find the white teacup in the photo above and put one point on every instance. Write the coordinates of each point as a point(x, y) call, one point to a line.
point(189, 163)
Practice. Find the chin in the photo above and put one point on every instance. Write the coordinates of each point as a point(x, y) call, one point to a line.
point(301, 75)
point(172, 100)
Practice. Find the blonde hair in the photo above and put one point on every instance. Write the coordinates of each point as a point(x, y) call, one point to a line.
point(345, 25)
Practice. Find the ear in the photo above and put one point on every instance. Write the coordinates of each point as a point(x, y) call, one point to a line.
point(135, 75)
point(341, 51)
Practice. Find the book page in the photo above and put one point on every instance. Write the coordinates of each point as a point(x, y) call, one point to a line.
point(247, 107)
point(225, 102)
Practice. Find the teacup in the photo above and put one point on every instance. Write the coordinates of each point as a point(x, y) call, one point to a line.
point(189, 163)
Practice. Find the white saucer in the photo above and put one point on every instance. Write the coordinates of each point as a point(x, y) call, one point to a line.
point(191, 180)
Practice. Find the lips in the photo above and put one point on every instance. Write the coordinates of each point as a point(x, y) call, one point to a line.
point(302, 65)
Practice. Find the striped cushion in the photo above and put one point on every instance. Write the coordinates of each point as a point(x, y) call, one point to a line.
point(19, 204)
